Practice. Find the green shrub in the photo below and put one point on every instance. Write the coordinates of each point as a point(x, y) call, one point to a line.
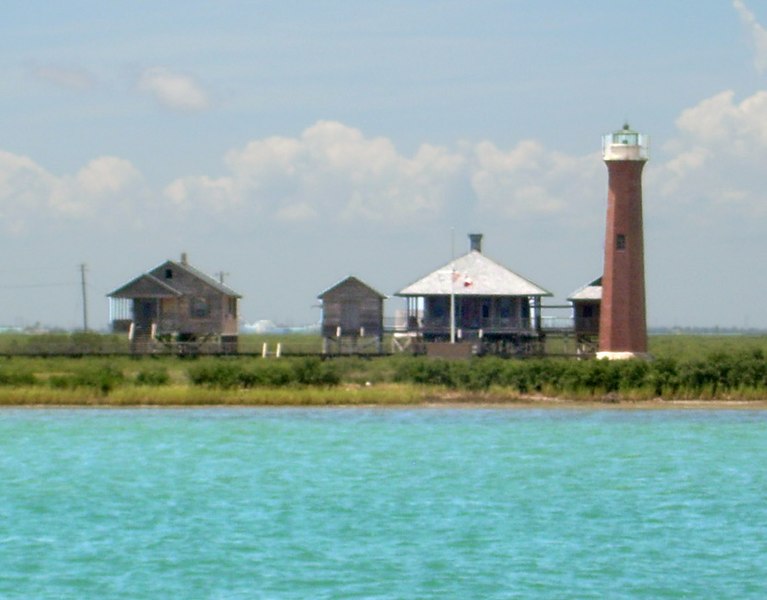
point(427, 371)
point(219, 374)
point(153, 376)
point(313, 371)
point(16, 377)
point(103, 378)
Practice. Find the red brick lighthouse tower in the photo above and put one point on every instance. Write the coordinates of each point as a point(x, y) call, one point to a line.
point(623, 324)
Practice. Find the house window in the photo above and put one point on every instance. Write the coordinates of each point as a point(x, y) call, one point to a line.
point(486, 309)
point(232, 306)
point(437, 307)
point(504, 308)
point(199, 308)
point(620, 242)
point(588, 311)
point(168, 273)
point(525, 308)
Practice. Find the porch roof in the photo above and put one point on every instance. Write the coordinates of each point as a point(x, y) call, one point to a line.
point(145, 286)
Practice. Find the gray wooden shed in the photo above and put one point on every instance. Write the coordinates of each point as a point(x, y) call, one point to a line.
point(352, 317)
point(586, 302)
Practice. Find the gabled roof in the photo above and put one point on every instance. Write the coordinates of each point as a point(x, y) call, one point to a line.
point(351, 280)
point(145, 286)
point(207, 279)
point(473, 274)
point(153, 285)
point(590, 291)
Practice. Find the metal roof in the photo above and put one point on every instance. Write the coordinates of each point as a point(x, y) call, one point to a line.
point(473, 274)
point(590, 291)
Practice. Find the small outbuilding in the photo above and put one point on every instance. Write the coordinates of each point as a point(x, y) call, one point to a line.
point(178, 308)
point(493, 308)
point(352, 318)
point(586, 302)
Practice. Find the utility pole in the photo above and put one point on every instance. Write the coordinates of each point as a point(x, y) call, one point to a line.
point(85, 297)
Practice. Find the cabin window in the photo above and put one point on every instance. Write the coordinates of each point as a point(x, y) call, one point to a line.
point(504, 308)
point(168, 273)
point(620, 242)
point(199, 308)
point(525, 309)
point(438, 307)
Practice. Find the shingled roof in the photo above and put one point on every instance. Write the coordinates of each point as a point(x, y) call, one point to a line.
point(150, 284)
point(351, 280)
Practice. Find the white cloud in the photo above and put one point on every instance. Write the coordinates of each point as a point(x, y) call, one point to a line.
point(173, 90)
point(756, 31)
point(24, 189)
point(530, 178)
point(104, 180)
point(29, 193)
point(214, 194)
point(332, 171)
point(717, 162)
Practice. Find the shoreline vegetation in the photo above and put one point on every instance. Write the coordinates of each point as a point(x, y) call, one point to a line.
point(687, 371)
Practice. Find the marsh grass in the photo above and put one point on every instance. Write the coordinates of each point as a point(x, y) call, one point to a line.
point(739, 372)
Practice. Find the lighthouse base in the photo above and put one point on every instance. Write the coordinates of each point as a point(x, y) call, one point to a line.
point(609, 355)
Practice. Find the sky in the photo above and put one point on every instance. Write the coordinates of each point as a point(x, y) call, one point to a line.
point(289, 144)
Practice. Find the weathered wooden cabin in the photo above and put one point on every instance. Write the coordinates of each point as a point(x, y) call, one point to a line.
point(586, 302)
point(175, 307)
point(352, 318)
point(495, 310)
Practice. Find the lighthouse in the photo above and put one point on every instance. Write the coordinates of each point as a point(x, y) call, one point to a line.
point(623, 322)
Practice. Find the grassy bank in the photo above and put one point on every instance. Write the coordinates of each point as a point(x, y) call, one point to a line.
point(736, 370)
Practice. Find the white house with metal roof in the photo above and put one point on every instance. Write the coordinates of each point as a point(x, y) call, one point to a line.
point(473, 297)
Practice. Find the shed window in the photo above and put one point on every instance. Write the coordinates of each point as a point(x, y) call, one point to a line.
point(200, 308)
point(620, 242)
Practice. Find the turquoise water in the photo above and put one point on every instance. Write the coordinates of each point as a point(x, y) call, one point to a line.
point(357, 503)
